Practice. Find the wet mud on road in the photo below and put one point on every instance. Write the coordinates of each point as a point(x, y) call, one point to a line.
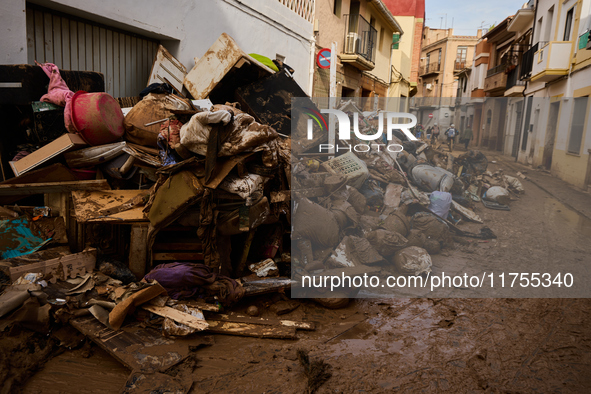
point(414, 345)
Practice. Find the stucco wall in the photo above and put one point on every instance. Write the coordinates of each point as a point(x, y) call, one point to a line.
point(13, 29)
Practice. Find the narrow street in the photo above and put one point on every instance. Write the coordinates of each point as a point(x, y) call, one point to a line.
point(413, 345)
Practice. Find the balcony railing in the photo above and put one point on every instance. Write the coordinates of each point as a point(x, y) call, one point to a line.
point(496, 70)
point(430, 68)
point(527, 61)
point(459, 65)
point(360, 38)
point(513, 78)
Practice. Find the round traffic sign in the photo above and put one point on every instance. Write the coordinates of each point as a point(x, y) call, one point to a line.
point(430, 115)
point(323, 58)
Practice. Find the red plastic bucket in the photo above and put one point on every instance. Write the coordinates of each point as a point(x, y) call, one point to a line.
point(97, 117)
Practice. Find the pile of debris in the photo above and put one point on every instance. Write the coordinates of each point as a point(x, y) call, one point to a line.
point(361, 212)
point(195, 195)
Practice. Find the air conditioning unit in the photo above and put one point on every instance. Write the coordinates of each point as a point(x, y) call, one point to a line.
point(351, 43)
point(429, 86)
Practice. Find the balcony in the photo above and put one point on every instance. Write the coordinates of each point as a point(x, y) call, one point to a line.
point(496, 80)
point(515, 86)
point(432, 102)
point(551, 61)
point(433, 68)
point(527, 61)
point(458, 66)
point(360, 43)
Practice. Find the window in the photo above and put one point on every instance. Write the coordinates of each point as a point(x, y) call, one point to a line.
point(439, 57)
point(568, 24)
point(336, 9)
point(382, 31)
point(548, 27)
point(461, 54)
point(577, 125)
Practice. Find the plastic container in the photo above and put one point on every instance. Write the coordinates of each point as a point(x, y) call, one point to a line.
point(97, 117)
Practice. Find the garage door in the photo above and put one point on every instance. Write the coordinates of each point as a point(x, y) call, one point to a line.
point(77, 44)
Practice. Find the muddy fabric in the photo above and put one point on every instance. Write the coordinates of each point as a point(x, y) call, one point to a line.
point(170, 131)
point(386, 242)
point(152, 108)
point(58, 93)
point(186, 280)
point(432, 226)
point(316, 223)
point(207, 231)
point(244, 135)
point(412, 261)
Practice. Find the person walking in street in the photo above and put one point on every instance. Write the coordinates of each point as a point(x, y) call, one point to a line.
point(451, 134)
point(434, 134)
point(466, 136)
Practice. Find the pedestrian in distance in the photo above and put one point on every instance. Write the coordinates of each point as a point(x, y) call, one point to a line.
point(434, 134)
point(451, 135)
point(466, 136)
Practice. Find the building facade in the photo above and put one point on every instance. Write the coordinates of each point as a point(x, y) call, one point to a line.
point(442, 56)
point(364, 33)
point(120, 37)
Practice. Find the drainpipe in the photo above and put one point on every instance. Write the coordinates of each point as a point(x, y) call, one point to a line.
point(442, 80)
point(312, 55)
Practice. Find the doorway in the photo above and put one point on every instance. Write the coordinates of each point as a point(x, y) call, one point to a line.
point(550, 134)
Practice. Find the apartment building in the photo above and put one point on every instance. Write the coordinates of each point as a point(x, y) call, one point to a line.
point(442, 55)
point(366, 34)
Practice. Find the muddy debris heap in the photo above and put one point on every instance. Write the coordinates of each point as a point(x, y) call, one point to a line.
point(140, 218)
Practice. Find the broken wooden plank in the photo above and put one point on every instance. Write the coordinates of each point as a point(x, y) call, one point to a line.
point(88, 203)
point(251, 330)
point(63, 267)
point(141, 349)
point(52, 187)
point(238, 318)
point(202, 305)
point(177, 316)
point(267, 285)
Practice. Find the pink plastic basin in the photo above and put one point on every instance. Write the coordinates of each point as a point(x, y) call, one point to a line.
point(97, 117)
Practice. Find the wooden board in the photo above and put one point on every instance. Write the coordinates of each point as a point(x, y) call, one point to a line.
point(87, 204)
point(251, 330)
point(140, 349)
point(62, 267)
point(177, 316)
point(52, 187)
point(221, 69)
point(237, 318)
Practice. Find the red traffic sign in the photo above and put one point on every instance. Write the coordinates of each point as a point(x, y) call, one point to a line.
point(323, 58)
point(430, 116)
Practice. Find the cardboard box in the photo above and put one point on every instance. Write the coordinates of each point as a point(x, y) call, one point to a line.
point(63, 144)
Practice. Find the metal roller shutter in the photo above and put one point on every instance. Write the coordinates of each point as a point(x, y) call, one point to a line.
point(73, 43)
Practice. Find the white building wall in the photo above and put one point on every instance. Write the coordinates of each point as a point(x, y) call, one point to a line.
point(13, 29)
point(186, 28)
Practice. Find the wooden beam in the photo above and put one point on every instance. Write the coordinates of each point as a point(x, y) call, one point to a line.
point(52, 187)
point(251, 330)
point(177, 316)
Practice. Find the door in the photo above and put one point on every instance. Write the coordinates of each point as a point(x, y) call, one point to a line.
point(550, 134)
point(518, 128)
point(72, 43)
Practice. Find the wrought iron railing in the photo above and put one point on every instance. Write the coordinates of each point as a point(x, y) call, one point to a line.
point(360, 37)
point(430, 68)
point(527, 62)
point(496, 70)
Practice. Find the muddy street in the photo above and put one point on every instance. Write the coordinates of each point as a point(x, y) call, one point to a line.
point(453, 344)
